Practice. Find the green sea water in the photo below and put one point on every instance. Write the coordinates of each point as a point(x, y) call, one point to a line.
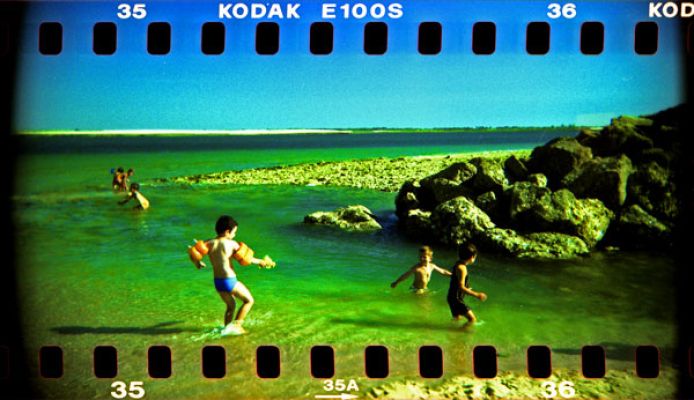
point(93, 273)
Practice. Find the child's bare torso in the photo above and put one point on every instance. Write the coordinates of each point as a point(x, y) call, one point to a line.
point(422, 275)
point(221, 250)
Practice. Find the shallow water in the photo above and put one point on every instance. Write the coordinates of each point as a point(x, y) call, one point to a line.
point(93, 273)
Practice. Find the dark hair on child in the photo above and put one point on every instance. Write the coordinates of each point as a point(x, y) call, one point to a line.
point(425, 250)
point(466, 251)
point(134, 186)
point(131, 170)
point(120, 169)
point(225, 223)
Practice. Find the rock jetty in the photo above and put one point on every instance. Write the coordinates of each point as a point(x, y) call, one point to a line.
point(611, 187)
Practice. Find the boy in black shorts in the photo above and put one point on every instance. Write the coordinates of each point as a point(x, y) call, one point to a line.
point(467, 254)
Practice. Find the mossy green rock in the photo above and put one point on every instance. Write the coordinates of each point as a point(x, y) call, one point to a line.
point(558, 157)
point(515, 169)
point(490, 176)
point(547, 245)
point(637, 229)
point(538, 209)
point(652, 188)
point(447, 184)
point(459, 220)
point(603, 178)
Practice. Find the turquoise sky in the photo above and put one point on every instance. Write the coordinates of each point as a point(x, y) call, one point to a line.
point(347, 89)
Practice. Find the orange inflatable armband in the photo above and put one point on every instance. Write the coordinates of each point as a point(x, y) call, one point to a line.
point(201, 247)
point(197, 251)
point(244, 254)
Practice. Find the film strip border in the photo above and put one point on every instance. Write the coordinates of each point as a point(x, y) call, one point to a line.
point(321, 38)
point(321, 359)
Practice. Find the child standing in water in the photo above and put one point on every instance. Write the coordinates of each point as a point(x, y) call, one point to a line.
point(118, 179)
point(142, 202)
point(459, 287)
point(221, 250)
point(422, 271)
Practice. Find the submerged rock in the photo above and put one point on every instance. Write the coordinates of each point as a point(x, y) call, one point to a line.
point(350, 218)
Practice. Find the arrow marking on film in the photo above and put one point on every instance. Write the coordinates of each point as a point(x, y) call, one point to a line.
point(342, 396)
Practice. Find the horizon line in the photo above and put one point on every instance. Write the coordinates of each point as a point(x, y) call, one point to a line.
point(264, 131)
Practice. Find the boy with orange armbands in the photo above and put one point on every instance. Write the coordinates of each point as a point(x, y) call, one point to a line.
point(221, 250)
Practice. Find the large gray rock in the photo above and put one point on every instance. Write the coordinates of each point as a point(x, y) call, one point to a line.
point(350, 218)
point(515, 169)
point(558, 157)
point(652, 188)
point(459, 220)
point(538, 179)
point(624, 135)
point(446, 184)
point(538, 209)
point(406, 198)
point(637, 229)
point(659, 156)
point(417, 224)
point(601, 178)
point(490, 176)
point(523, 197)
point(535, 245)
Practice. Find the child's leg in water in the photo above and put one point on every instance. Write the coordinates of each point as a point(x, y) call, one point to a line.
point(231, 305)
point(242, 293)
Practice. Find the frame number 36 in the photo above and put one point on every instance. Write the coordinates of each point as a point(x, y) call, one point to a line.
point(557, 10)
point(565, 389)
point(122, 390)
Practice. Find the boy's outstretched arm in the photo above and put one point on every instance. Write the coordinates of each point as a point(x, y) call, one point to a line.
point(265, 262)
point(402, 277)
point(125, 200)
point(245, 256)
point(441, 270)
point(462, 272)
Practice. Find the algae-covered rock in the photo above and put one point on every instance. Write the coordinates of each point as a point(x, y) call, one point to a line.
point(538, 179)
point(417, 223)
point(652, 188)
point(459, 220)
point(601, 178)
point(523, 196)
point(623, 136)
point(637, 229)
point(550, 245)
point(446, 184)
point(538, 209)
point(558, 157)
point(659, 156)
point(515, 169)
point(490, 176)
point(406, 198)
point(351, 218)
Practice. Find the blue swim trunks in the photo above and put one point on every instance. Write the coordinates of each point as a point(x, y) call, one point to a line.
point(225, 284)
